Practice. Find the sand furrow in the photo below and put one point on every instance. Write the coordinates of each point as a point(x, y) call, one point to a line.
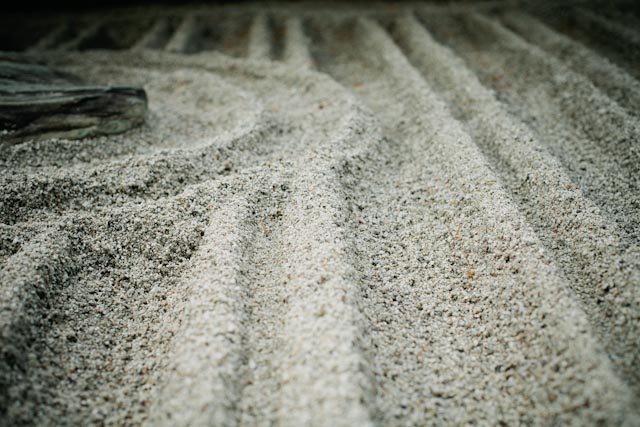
point(296, 45)
point(623, 18)
point(607, 37)
point(612, 28)
point(12, 238)
point(570, 225)
point(302, 326)
point(260, 38)
point(300, 333)
point(595, 140)
point(615, 82)
point(290, 300)
point(155, 37)
point(266, 304)
point(51, 39)
point(81, 37)
point(324, 372)
point(202, 379)
point(93, 324)
point(148, 178)
point(228, 34)
point(433, 315)
point(185, 37)
point(28, 278)
point(155, 177)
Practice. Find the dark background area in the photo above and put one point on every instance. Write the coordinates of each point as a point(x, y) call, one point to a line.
point(76, 5)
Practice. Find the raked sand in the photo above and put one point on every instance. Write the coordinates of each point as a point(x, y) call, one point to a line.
point(418, 216)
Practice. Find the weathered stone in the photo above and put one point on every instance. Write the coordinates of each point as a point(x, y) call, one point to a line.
point(38, 102)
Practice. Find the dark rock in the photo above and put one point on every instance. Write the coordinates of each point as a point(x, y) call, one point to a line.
point(38, 102)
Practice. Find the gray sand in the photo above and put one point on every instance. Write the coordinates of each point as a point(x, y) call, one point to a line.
point(411, 218)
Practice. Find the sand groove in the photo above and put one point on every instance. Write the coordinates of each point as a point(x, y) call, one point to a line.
point(296, 49)
point(204, 367)
point(599, 32)
point(155, 37)
point(182, 40)
point(526, 167)
point(260, 44)
point(387, 217)
point(596, 144)
point(50, 39)
point(615, 82)
point(405, 85)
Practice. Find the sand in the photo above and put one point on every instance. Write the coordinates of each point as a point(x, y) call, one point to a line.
point(401, 216)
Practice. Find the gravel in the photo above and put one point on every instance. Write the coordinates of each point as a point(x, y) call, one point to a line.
point(356, 225)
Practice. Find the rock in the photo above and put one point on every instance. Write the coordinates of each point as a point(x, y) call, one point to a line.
point(38, 102)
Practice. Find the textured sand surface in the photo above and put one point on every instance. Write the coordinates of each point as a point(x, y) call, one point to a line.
point(399, 216)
